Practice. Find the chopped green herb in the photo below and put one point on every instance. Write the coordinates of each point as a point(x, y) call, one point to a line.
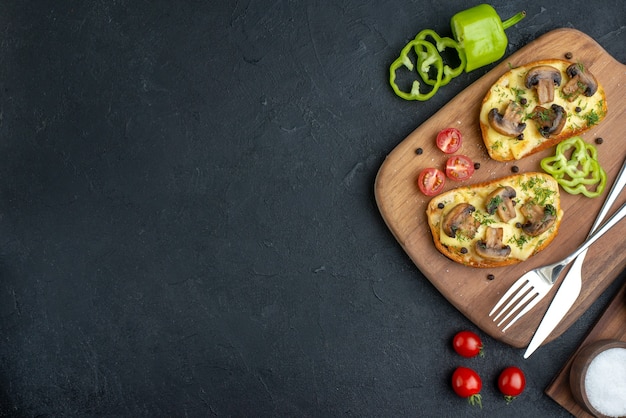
point(483, 218)
point(592, 118)
point(518, 93)
point(495, 202)
point(518, 241)
point(541, 194)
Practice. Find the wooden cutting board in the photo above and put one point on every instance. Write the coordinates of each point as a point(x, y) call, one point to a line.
point(403, 206)
point(610, 326)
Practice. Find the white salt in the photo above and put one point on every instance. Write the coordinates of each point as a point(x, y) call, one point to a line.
point(605, 382)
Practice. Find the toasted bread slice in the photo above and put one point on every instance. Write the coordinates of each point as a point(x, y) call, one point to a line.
point(496, 223)
point(578, 102)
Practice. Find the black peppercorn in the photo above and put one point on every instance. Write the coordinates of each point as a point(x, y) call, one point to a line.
point(523, 101)
point(490, 277)
point(476, 166)
point(569, 55)
point(419, 151)
point(515, 169)
point(599, 140)
point(463, 250)
point(441, 205)
point(577, 109)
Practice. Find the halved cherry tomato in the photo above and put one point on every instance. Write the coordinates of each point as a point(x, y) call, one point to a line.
point(467, 384)
point(467, 344)
point(431, 181)
point(459, 168)
point(511, 382)
point(449, 140)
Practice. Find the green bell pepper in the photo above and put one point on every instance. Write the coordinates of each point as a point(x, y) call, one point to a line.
point(430, 57)
point(480, 33)
point(479, 39)
point(425, 59)
point(578, 171)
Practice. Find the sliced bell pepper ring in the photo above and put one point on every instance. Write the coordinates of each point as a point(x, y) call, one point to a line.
point(425, 59)
point(576, 166)
point(581, 187)
point(578, 171)
point(404, 61)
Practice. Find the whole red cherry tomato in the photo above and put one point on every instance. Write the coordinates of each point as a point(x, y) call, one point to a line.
point(459, 168)
point(467, 384)
point(431, 181)
point(467, 344)
point(449, 140)
point(511, 382)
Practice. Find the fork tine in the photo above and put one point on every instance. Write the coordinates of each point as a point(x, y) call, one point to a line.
point(527, 308)
point(507, 295)
point(529, 293)
point(518, 300)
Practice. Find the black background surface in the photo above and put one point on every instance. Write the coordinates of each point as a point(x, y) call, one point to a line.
point(187, 219)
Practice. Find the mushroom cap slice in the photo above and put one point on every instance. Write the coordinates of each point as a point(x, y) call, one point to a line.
point(581, 82)
point(510, 123)
point(538, 219)
point(549, 121)
point(544, 78)
point(501, 201)
point(492, 247)
point(460, 219)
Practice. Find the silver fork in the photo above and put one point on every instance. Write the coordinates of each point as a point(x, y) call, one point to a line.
point(529, 289)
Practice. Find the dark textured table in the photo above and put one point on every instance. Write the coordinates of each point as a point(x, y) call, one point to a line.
point(187, 219)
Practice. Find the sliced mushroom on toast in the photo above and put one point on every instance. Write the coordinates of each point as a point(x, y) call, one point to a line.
point(550, 121)
point(544, 79)
point(510, 122)
point(538, 218)
point(492, 247)
point(581, 82)
point(460, 219)
point(501, 201)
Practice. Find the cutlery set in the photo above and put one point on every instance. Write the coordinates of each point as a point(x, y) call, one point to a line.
point(534, 285)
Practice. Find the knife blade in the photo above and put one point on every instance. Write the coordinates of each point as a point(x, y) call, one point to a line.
point(563, 300)
point(571, 285)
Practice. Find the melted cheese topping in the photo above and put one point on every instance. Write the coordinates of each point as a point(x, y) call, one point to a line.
point(530, 187)
point(510, 87)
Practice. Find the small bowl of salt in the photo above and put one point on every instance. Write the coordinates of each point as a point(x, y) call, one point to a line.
point(598, 378)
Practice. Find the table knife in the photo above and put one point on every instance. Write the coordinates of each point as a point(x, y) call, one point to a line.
point(570, 287)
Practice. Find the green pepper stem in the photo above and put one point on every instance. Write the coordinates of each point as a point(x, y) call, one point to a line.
point(513, 20)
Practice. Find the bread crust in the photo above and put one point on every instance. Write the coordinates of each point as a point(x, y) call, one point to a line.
point(502, 148)
point(463, 252)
